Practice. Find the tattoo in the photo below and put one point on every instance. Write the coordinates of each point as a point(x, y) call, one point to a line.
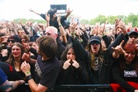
point(7, 86)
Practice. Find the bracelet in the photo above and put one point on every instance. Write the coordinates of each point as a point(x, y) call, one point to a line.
point(28, 73)
point(29, 77)
point(60, 25)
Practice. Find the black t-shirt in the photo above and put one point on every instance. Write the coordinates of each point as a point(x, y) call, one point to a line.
point(127, 74)
point(12, 75)
point(10, 71)
point(50, 70)
point(54, 22)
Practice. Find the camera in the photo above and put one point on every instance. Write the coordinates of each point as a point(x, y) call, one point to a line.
point(3, 46)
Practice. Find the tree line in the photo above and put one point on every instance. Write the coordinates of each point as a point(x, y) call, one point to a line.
point(131, 18)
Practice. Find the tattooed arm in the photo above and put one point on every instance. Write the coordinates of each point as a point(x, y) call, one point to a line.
point(6, 85)
point(10, 85)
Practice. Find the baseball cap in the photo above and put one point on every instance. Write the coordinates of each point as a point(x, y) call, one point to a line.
point(52, 11)
point(95, 39)
point(132, 32)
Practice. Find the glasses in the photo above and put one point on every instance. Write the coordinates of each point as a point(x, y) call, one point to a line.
point(11, 41)
point(133, 37)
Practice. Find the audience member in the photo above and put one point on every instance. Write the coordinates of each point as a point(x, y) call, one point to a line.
point(99, 65)
point(10, 72)
point(53, 32)
point(132, 35)
point(6, 85)
point(15, 58)
point(73, 69)
point(125, 69)
point(48, 69)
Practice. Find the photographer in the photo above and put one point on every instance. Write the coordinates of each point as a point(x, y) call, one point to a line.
point(3, 47)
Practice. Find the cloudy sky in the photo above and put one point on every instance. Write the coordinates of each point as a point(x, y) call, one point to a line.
point(88, 9)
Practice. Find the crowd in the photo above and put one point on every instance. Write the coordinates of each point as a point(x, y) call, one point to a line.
point(45, 56)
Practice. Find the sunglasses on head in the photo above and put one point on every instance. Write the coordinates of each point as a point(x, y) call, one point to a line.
point(95, 42)
point(11, 41)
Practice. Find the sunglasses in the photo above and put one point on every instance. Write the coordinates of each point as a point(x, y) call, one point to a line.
point(11, 41)
point(131, 36)
point(95, 42)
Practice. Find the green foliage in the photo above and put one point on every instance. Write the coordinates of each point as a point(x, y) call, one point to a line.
point(99, 19)
point(134, 19)
point(32, 20)
point(84, 21)
point(111, 19)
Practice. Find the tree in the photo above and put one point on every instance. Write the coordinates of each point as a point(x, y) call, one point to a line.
point(132, 18)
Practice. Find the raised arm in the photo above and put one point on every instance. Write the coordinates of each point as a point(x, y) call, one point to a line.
point(62, 31)
point(34, 12)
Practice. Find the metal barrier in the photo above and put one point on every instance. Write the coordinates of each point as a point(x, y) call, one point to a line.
point(85, 86)
point(90, 87)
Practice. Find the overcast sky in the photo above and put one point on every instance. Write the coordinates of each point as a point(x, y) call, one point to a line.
point(88, 9)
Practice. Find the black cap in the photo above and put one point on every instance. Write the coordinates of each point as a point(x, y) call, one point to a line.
point(132, 32)
point(95, 39)
point(52, 11)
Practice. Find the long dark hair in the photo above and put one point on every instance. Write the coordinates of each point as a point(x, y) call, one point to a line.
point(11, 58)
point(64, 53)
point(93, 56)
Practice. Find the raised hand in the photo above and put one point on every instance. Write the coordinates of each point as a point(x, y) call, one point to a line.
point(118, 49)
point(31, 10)
point(75, 64)
point(26, 57)
point(68, 11)
point(66, 64)
point(25, 67)
point(120, 26)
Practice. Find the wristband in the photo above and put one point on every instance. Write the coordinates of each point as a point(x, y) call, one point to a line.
point(28, 73)
point(29, 77)
point(60, 25)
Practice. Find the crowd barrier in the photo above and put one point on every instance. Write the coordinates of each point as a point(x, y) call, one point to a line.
point(90, 87)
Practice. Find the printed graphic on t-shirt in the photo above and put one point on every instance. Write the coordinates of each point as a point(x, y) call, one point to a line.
point(96, 64)
point(38, 70)
point(132, 73)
